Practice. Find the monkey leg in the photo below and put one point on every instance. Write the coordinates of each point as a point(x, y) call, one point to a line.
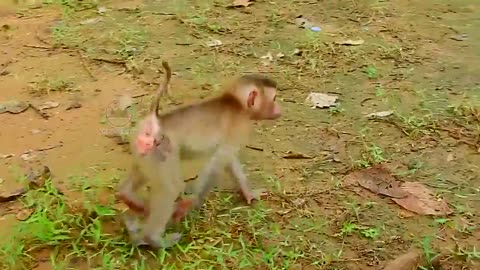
point(236, 171)
point(163, 194)
point(129, 188)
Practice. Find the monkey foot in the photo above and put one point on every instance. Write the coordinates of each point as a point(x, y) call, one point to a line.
point(183, 206)
point(255, 195)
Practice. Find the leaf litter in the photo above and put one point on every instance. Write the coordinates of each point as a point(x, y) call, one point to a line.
point(412, 196)
point(407, 261)
point(320, 100)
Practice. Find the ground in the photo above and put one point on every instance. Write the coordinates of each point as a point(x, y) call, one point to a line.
point(420, 59)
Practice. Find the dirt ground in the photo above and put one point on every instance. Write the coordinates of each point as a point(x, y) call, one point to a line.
point(79, 59)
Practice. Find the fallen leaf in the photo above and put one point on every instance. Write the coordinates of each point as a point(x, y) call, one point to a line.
point(292, 155)
point(422, 201)
point(297, 52)
point(461, 37)
point(27, 156)
point(102, 10)
point(242, 3)
point(350, 42)
point(267, 58)
point(38, 178)
point(319, 100)
point(407, 261)
point(380, 114)
point(14, 107)
point(280, 55)
point(47, 105)
point(74, 105)
point(378, 180)
point(91, 21)
point(6, 156)
point(10, 196)
point(299, 202)
point(24, 214)
point(214, 43)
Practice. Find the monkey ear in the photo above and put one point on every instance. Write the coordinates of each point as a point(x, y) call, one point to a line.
point(251, 98)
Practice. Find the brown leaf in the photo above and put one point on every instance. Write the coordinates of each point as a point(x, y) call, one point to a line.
point(24, 214)
point(292, 155)
point(37, 178)
point(242, 3)
point(10, 196)
point(408, 261)
point(378, 180)
point(422, 201)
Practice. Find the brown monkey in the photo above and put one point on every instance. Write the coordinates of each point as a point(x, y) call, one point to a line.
point(217, 127)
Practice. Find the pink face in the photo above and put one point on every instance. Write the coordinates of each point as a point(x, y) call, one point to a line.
point(144, 143)
point(145, 140)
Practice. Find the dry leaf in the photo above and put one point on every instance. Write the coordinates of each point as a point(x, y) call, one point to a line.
point(38, 178)
point(319, 100)
point(378, 180)
point(380, 114)
point(214, 43)
point(24, 214)
point(408, 261)
point(242, 3)
point(10, 196)
point(422, 201)
point(292, 155)
point(47, 105)
point(350, 42)
point(14, 107)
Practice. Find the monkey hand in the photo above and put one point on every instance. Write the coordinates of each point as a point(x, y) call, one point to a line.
point(132, 205)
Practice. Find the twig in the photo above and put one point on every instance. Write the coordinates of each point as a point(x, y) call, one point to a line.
point(254, 148)
point(164, 13)
point(42, 40)
point(139, 95)
point(48, 148)
point(84, 63)
point(38, 47)
point(110, 61)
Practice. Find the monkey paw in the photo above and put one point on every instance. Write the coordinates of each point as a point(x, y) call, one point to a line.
point(255, 195)
point(136, 207)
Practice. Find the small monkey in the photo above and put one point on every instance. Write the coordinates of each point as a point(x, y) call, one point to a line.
point(217, 127)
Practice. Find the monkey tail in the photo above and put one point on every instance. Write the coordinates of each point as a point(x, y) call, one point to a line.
point(162, 88)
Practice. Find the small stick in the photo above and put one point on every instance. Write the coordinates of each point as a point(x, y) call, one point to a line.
point(254, 148)
point(110, 61)
point(37, 47)
point(48, 147)
point(86, 66)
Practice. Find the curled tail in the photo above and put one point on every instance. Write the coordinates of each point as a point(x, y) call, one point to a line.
point(162, 88)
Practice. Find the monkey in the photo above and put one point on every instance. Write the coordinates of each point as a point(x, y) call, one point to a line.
point(218, 127)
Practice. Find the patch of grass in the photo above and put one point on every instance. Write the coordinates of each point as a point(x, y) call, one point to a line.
point(48, 85)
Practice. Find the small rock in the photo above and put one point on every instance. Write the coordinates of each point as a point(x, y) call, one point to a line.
point(461, 37)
